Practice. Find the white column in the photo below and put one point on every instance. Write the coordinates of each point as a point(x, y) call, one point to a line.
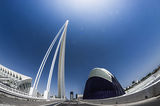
point(46, 92)
point(61, 65)
point(60, 69)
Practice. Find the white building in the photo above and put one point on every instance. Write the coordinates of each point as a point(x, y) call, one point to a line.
point(14, 80)
point(79, 96)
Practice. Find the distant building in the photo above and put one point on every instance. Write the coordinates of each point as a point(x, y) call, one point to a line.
point(102, 84)
point(71, 95)
point(14, 80)
point(79, 96)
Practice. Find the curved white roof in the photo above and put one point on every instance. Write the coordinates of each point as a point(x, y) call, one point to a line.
point(13, 74)
point(101, 72)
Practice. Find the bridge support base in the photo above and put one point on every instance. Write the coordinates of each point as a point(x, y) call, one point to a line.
point(33, 92)
point(46, 94)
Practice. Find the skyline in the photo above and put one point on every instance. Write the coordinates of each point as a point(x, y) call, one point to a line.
point(122, 38)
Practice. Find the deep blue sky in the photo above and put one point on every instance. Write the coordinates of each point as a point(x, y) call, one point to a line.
point(122, 36)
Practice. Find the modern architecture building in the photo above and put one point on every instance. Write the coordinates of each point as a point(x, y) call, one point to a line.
point(102, 84)
point(14, 80)
point(71, 95)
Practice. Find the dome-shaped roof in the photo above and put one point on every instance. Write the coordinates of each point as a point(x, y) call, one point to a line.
point(101, 72)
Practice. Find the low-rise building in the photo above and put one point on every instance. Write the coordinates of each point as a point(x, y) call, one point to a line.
point(14, 80)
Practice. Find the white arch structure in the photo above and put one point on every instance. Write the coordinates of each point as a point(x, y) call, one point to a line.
point(61, 86)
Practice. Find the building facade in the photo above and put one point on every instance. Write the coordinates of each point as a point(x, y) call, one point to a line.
point(102, 84)
point(71, 95)
point(14, 80)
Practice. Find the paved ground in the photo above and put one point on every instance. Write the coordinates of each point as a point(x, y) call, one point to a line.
point(7, 101)
point(70, 103)
point(155, 101)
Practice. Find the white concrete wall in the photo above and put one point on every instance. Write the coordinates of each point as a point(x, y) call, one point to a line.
point(142, 85)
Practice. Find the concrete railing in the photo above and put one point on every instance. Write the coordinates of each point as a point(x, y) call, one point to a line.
point(15, 93)
point(150, 91)
point(12, 89)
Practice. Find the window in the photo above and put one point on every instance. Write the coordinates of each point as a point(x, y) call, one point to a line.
point(20, 78)
point(17, 76)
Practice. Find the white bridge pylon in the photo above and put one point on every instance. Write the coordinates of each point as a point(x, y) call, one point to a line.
point(61, 86)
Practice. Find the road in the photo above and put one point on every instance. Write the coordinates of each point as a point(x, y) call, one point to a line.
point(8, 101)
point(70, 103)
